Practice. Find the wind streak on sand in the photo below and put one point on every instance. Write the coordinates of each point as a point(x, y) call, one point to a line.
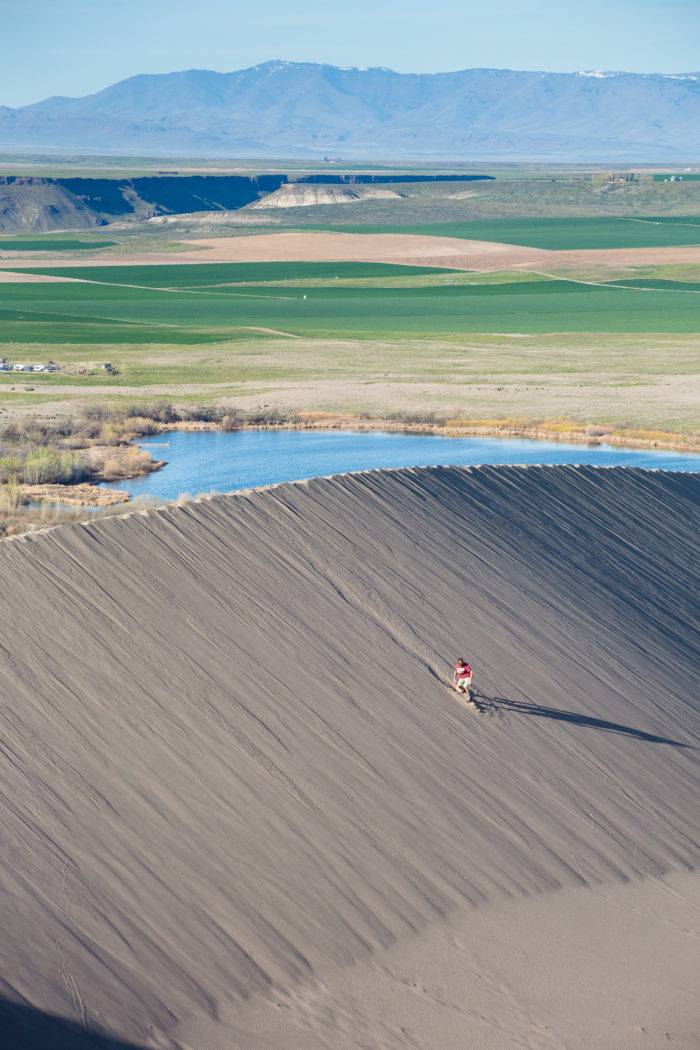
point(229, 760)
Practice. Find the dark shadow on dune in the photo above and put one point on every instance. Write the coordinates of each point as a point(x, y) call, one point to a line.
point(494, 704)
point(22, 1027)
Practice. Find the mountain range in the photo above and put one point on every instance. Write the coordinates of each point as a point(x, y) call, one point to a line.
point(292, 109)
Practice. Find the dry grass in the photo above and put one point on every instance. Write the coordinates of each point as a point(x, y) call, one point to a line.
point(17, 520)
point(17, 516)
point(124, 461)
point(566, 429)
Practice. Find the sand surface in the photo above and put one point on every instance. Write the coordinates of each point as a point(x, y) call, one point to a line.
point(611, 968)
point(401, 248)
point(236, 788)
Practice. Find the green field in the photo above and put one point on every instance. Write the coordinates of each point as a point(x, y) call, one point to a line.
point(49, 244)
point(202, 275)
point(662, 284)
point(388, 341)
point(556, 234)
point(199, 305)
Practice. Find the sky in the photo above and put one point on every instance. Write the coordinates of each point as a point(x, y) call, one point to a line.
point(75, 47)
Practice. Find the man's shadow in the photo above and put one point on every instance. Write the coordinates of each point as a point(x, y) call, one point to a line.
point(493, 704)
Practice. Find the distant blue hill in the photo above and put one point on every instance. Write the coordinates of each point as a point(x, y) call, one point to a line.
point(290, 109)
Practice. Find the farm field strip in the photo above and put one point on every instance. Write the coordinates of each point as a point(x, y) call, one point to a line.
point(656, 285)
point(559, 234)
point(195, 274)
point(49, 244)
point(306, 254)
point(639, 284)
point(204, 315)
point(142, 277)
point(232, 278)
point(181, 289)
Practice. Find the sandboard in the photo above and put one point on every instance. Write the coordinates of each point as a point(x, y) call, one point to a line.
point(472, 703)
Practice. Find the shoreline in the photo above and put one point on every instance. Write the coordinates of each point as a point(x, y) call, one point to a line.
point(129, 506)
point(91, 493)
point(554, 430)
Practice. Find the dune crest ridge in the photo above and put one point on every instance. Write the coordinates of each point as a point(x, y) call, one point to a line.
point(230, 762)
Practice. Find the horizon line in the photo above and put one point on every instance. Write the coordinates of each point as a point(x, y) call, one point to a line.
point(601, 74)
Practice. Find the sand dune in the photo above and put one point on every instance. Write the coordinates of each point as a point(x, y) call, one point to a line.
point(234, 782)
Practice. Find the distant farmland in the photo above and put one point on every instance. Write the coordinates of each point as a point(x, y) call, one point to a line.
point(132, 304)
point(556, 234)
point(387, 341)
point(202, 275)
point(49, 244)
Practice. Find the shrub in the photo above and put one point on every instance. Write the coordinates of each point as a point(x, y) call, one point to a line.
point(231, 421)
point(161, 411)
point(269, 416)
point(123, 462)
point(11, 498)
point(97, 413)
point(111, 434)
point(10, 468)
point(43, 466)
point(199, 413)
point(431, 418)
point(11, 432)
point(140, 425)
point(86, 430)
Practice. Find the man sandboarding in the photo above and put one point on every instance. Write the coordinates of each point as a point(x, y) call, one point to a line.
point(462, 679)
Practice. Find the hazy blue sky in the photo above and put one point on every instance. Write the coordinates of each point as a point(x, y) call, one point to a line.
point(72, 47)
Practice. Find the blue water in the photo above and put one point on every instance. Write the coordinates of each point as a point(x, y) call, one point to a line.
point(216, 461)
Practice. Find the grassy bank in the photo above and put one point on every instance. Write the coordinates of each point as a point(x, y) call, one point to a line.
point(643, 381)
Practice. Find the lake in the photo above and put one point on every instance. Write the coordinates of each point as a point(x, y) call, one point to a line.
point(219, 461)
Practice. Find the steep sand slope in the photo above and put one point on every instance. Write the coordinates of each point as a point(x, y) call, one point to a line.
point(230, 764)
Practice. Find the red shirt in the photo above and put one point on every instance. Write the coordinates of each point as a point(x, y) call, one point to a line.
point(463, 670)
